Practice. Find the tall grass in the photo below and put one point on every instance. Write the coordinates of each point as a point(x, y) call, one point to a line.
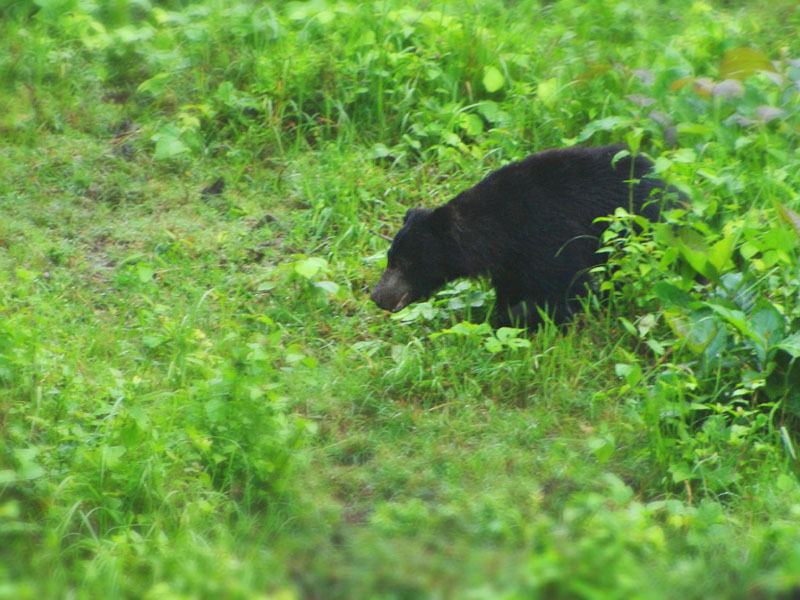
point(197, 399)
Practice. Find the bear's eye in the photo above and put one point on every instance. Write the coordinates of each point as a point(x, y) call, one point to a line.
point(393, 263)
point(397, 261)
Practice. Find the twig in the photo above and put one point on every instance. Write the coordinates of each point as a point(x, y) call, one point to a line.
point(380, 235)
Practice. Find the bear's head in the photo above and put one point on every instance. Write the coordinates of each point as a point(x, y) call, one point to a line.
point(417, 261)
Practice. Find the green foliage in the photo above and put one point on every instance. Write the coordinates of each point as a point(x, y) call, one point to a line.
point(721, 311)
point(197, 399)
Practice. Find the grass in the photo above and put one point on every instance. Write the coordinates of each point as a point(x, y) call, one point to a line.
point(197, 399)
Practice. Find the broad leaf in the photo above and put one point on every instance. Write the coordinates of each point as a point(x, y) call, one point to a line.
point(493, 79)
point(788, 215)
point(740, 63)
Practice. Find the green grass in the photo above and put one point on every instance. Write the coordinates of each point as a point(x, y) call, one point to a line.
point(198, 400)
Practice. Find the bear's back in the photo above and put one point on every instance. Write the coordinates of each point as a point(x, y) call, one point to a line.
point(575, 183)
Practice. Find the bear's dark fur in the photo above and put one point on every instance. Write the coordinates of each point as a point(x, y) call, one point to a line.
point(530, 226)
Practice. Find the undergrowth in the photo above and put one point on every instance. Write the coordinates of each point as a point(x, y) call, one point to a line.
point(197, 399)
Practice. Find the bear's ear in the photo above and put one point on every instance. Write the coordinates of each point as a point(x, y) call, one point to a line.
point(441, 219)
point(413, 212)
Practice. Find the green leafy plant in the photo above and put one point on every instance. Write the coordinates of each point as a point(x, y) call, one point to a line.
point(197, 398)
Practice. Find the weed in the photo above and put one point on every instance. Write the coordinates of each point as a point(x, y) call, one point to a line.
point(198, 400)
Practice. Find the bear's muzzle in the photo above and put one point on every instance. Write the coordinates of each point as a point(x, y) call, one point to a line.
point(392, 292)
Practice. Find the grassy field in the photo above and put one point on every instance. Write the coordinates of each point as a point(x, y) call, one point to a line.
point(198, 400)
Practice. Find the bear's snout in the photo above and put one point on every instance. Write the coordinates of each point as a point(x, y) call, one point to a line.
point(392, 292)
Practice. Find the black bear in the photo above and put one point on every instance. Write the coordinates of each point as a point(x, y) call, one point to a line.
point(530, 226)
